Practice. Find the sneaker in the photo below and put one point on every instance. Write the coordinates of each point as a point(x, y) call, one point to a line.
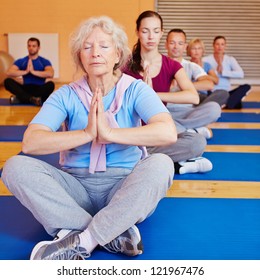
point(14, 100)
point(204, 131)
point(36, 101)
point(65, 246)
point(195, 165)
point(128, 243)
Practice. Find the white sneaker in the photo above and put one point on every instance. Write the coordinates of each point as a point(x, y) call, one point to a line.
point(195, 165)
point(205, 131)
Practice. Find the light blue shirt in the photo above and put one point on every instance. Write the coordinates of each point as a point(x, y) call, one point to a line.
point(64, 106)
point(231, 69)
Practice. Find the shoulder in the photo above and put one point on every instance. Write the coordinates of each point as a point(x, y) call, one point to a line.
point(169, 63)
point(208, 57)
point(21, 60)
point(44, 60)
point(65, 96)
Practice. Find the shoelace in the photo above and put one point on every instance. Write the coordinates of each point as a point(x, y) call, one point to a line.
point(68, 254)
point(68, 251)
point(114, 246)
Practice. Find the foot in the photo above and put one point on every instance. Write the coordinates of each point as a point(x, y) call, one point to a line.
point(36, 101)
point(195, 165)
point(128, 243)
point(204, 131)
point(236, 98)
point(14, 100)
point(65, 246)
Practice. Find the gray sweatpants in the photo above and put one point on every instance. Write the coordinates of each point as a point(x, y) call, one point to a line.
point(189, 145)
point(186, 117)
point(107, 203)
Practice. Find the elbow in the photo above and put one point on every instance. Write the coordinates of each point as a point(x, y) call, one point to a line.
point(27, 147)
point(196, 99)
point(171, 136)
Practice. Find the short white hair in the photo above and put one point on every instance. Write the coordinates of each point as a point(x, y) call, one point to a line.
point(117, 33)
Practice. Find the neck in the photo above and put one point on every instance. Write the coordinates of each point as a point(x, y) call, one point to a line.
point(179, 59)
point(34, 56)
point(105, 83)
point(150, 56)
point(196, 60)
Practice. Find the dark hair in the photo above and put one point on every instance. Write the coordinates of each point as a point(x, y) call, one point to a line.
point(33, 39)
point(176, 30)
point(135, 63)
point(219, 37)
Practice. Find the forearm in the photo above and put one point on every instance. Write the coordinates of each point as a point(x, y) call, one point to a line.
point(16, 73)
point(205, 84)
point(43, 74)
point(40, 142)
point(180, 97)
point(154, 134)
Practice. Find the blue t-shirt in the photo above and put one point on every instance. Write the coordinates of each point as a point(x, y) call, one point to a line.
point(140, 102)
point(207, 67)
point(39, 64)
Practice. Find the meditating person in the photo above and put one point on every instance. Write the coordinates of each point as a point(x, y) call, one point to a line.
point(34, 70)
point(158, 71)
point(107, 182)
point(227, 68)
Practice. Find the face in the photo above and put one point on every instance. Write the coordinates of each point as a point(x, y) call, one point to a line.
point(176, 45)
point(219, 46)
point(33, 47)
point(150, 33)
point(99, 54)
point(196, 51)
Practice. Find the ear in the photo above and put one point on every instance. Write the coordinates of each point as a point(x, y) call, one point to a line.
point(118, 56)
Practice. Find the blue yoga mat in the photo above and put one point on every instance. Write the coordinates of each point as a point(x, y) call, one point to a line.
point(6, 102)
point(249, 104)
point(239, 117)
point(179, 229)
point(235, 137)
point(226, 167)
point(12, 132)
point(229, 167)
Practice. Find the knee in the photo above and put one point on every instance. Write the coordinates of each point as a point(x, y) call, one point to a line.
point(12, 169)
point(214, 110)
point(198, 145)
point(7, 83)
point(163, 164)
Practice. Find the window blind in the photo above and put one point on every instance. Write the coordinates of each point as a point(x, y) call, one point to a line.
point(239, 22)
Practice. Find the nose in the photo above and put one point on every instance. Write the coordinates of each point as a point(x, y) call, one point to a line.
point(95, 51)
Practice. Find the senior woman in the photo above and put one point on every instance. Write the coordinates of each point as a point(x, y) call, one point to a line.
point(107, 183)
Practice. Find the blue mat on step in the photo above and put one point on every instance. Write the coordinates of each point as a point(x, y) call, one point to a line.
point(239, 117)
point(229, 167)
point(249, 104)
point(179, 229)
point(6, 102)
point(12, 132)
point(235, 137)
point(226, 166)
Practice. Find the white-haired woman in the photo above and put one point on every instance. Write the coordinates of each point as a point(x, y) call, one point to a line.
point(106, 183)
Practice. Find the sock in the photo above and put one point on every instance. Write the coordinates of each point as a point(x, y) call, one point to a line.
point(87, 240)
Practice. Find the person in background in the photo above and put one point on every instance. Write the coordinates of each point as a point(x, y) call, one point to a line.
point(158, 71)
point(196, 50)
point(227, 68)
point(193, 118)
point(34, 70)
point(107, 183)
